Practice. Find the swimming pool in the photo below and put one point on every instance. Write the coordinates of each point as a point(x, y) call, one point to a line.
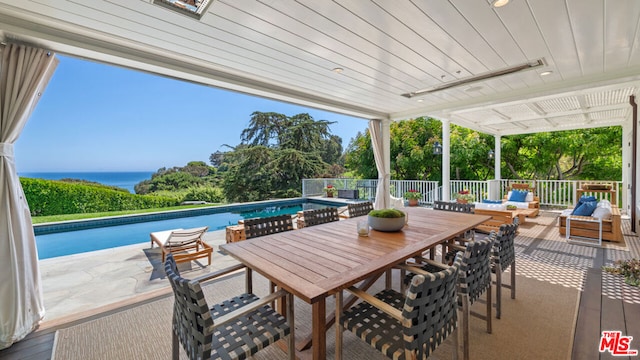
point(75, 237)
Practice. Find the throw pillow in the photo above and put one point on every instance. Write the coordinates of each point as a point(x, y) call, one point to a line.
point(602, 213)
point(586, 209)
point(529, 197)
point(604, 203)
point(518, 195)
point(583, 199)
point(487, 201)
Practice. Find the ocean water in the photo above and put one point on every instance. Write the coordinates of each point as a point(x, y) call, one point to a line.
point(122, 179)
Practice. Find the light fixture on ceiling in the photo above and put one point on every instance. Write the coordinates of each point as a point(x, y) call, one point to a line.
point(489, 75)
point(420, 100)
point(337, 70)
point(545, 73)
point(499, 3)
point(192, 8)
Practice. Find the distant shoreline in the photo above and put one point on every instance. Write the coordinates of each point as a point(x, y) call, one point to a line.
point(122, 179)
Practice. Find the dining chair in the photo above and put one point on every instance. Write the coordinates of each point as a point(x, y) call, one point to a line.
point(320, 216)
point(474, 279)
point(405, 327)
point(503, 257)
point(236, 328)
point(267, 225)
point(447, 253)
point(359, 208)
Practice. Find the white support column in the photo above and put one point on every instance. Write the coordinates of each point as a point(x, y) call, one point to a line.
point(497, 158)
point(627, 136)
point(446, 160)
point(386, 151)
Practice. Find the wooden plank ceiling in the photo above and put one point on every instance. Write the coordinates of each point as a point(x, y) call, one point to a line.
point(288, 50)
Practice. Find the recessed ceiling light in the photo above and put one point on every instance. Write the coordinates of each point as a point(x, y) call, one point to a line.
point(420, 100)
point(545, 73)
point(499, 3)
point(338, 70)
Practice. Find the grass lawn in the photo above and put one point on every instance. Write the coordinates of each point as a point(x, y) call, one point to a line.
point(67, 217)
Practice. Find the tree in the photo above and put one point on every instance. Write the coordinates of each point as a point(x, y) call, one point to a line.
point(262, 128)
point(557, 155)
point(275, 154)
point(564, 156)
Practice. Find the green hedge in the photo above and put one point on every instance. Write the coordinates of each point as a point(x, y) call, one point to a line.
point(51, 197)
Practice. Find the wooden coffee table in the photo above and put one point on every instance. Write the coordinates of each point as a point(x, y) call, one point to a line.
point(522, 214)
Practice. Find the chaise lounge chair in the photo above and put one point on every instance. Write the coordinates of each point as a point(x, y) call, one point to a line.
point(185, 245)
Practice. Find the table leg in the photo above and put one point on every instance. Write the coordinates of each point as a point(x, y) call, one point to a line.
point(319, 348)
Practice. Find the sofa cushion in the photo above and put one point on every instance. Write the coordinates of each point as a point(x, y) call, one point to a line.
point(604, 203)
point(585, 209)
point(518, 204)
point(603, 213)
point(518, 196)
point(487, 201)
point(485, 206)
point(529, 197)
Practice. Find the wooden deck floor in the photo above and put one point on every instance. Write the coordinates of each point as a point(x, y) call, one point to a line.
point(604, 304)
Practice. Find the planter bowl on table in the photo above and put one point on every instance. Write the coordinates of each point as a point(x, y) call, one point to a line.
point(386, 224)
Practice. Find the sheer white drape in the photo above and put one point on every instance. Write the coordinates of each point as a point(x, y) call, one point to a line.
point(24, 73)
point(377, 140)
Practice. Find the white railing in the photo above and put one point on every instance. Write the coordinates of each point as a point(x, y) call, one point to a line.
point(478, 188)
point(556, 193)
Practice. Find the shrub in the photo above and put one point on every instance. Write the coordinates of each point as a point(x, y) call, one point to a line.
point(51, 197)
point(204, 193)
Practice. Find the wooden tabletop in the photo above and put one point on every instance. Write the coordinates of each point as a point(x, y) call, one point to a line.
point(317, 261)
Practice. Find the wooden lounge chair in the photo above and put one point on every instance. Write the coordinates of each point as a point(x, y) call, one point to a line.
point(185, 245)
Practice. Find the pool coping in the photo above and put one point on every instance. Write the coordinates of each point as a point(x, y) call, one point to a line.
point(83, 224)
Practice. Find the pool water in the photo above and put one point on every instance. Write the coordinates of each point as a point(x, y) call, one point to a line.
point(79, 241)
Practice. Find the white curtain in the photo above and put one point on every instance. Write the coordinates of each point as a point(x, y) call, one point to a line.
point(24, 73)
point(382, 191)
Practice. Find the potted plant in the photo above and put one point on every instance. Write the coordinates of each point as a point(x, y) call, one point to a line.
point(386, 219)
point(330, 191)
point(464, 196)
point(413, 196)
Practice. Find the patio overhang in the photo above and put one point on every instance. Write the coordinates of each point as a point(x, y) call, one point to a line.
point(286, 51)
point(521, 68)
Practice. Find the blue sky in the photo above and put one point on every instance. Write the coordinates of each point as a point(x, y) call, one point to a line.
point(96, 117)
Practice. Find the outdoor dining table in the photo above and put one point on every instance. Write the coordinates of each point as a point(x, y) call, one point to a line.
point(316, 262)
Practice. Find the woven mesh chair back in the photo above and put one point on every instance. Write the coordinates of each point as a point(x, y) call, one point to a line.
point(503, 251)
point(430, 310)
point(190, 308)
point(453, 206)
point(269, 225)
point(475, 271)
point(320, 216)
point(360, 208)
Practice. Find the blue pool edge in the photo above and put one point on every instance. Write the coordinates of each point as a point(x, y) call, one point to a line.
point(73, 225)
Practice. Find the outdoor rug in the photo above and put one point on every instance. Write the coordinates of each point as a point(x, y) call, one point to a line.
point(538, 324)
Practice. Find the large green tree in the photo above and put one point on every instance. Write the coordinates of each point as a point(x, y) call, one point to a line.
point(569, 155)
point(276, 152)
point(577, 154)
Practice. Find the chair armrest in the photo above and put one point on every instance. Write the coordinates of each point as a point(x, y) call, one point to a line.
point(456, 247)
point(218, 273)
point(383, 306)
point(432, 262)
point(413, 269)
point(222, 320)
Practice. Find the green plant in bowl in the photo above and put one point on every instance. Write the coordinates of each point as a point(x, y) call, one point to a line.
point(386, 213)
point(386, 219)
